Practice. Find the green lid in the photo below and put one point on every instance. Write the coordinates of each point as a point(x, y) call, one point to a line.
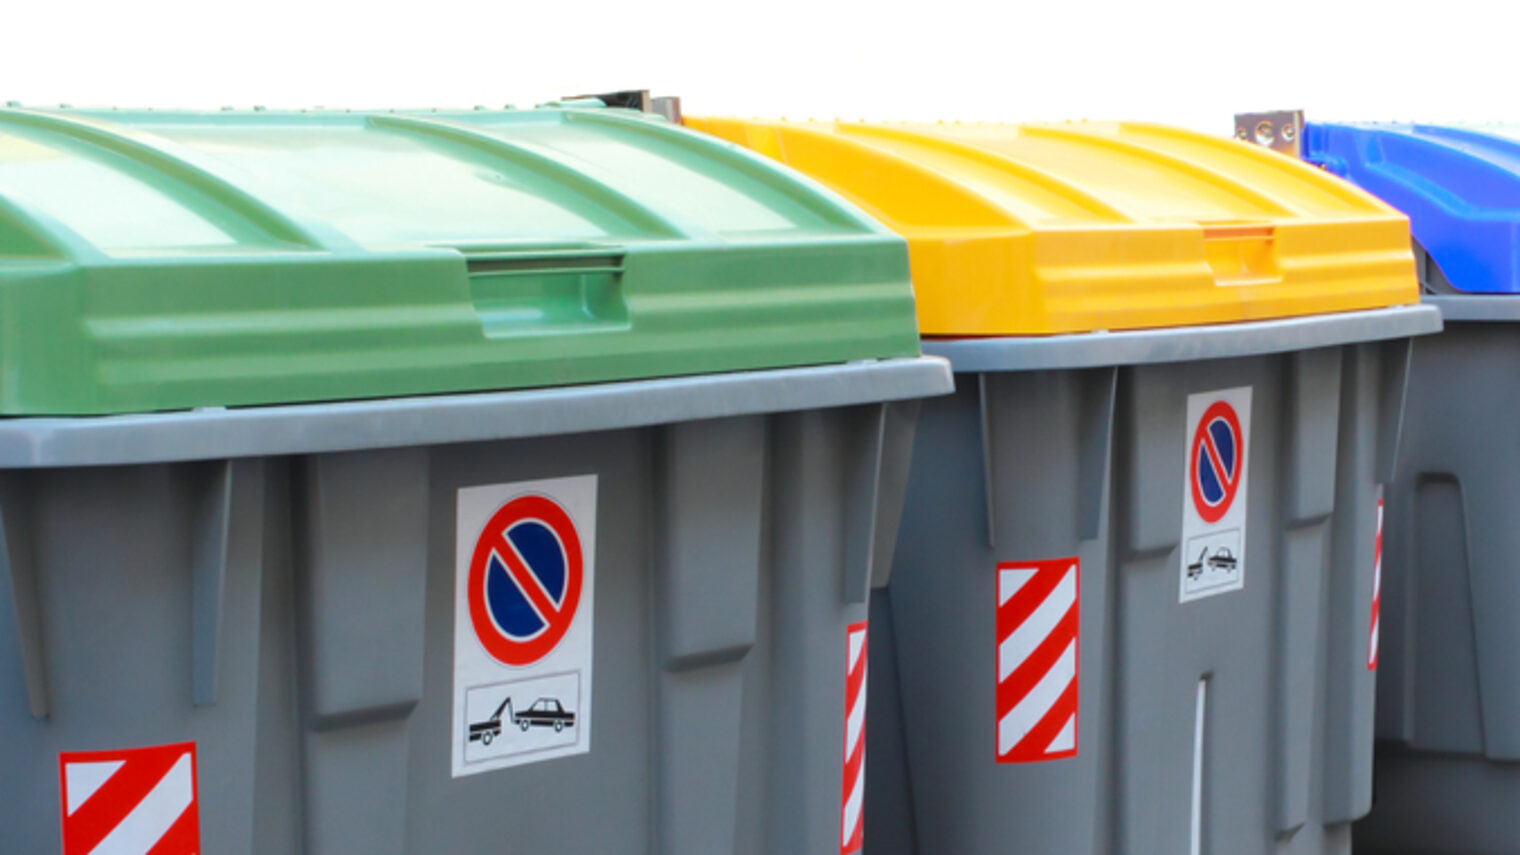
point(166, 260)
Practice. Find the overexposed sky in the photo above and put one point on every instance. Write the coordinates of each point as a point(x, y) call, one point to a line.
point(1188, 62)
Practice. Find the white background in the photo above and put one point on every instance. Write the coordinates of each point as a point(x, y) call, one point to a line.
point(1188, 62)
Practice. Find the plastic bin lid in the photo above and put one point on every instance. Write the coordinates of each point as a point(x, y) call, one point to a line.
point(1460, 188)
point(166, 260)
point(1057, 228)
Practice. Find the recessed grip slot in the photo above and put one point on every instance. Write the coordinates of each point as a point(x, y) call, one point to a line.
point(557, 291)
point(1241, 253)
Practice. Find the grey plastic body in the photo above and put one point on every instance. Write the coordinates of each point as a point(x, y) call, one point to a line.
point(1448, 716)
point(1030, 460)
point(284, 599)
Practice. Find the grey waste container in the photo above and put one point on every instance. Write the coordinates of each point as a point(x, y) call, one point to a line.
point(1448, 711)
point(345, 464)
point(1448, 758)
point(1130, 610)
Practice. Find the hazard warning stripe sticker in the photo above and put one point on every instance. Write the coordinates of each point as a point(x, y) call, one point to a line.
point(852, 836)
point(1038, 616)
point(1377, 592)
point(130, 802)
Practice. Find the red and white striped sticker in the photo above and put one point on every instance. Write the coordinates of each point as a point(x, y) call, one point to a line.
point(1377, 592)
point(1037, 621)
point(138, 801)
point(852, 829)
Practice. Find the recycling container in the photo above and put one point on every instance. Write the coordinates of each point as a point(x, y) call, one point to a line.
point(1130, 606)
point(346, 456)
point(1448, 707)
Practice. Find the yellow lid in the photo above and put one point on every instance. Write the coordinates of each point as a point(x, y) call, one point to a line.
point(1029, 229)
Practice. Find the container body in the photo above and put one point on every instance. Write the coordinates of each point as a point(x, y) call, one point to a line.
point(293, 615)
point(1449, 703)
point(1236, 722)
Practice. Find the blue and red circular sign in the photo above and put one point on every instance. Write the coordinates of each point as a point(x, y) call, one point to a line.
point(1215, 465)
point(525, 580)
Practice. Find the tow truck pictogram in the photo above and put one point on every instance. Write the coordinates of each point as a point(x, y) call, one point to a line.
point(1195, 569)
point(545, 712)
point(485, 731)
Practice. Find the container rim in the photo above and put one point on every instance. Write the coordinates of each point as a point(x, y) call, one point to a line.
point(1477, 307)
point(220, 433)
point(1186, 344)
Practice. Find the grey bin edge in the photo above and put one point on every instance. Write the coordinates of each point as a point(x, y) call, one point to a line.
point(44, 442)
point(1476, 307)
point(1186, 344)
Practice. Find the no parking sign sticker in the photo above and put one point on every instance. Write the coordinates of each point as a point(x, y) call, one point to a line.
point(1214, 499)
point(524, 580)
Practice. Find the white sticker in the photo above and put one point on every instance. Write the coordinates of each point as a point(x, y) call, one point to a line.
point(524, 596)
point(1214, 496)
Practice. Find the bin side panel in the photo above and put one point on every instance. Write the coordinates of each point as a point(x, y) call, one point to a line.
point(814, 500)
point(889, 816)
point(707, 566)
point(943, 518)
point(900, 421)
point(600, 801)
point(1311, 409)
point(278, 783)
point(1434, 803)
point(1297, 694)
point(1350, 682)
point(1491, 469)
point(360, 544)
point(1213, 656)
point(1451, 547)
point(1447, 701)
point(944, 604)
point(113, 556)
point(18, 579)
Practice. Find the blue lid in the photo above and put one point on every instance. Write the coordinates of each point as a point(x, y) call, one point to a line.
point(1460, 189)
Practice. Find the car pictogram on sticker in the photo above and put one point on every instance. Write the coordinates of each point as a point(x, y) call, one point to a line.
point(545, 712)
